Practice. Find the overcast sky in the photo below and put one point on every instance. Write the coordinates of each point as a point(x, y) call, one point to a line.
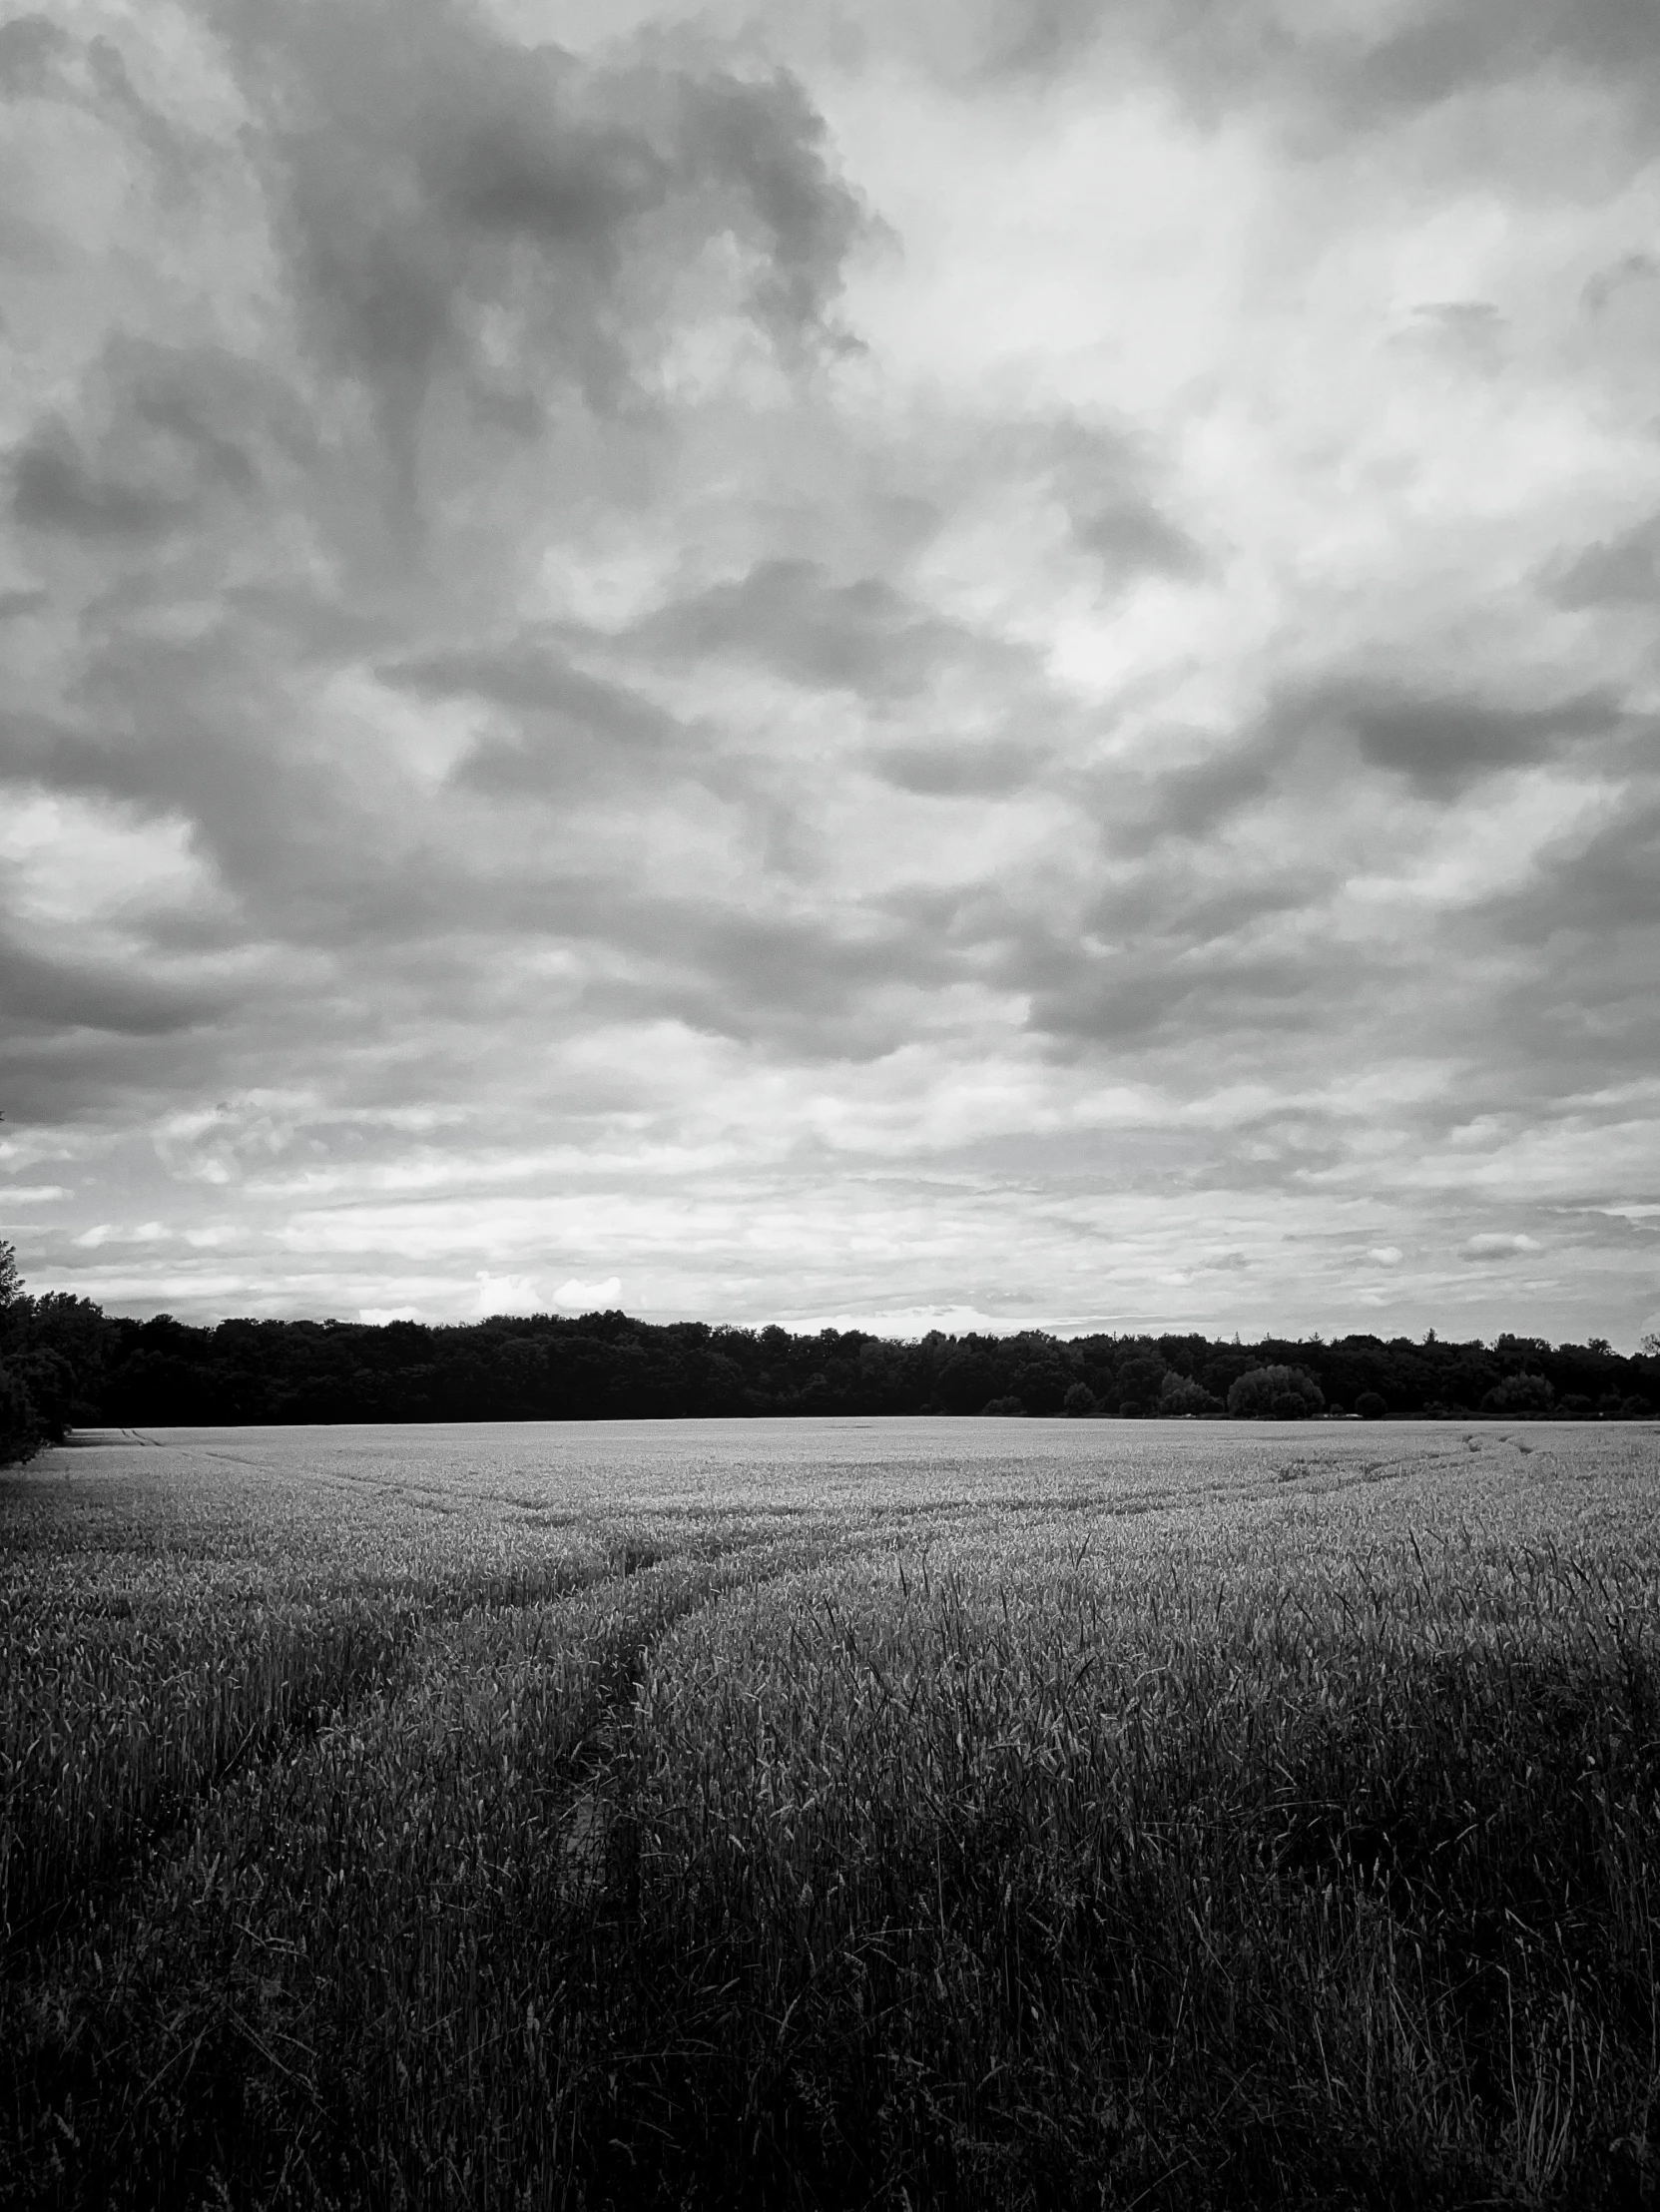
point(901, 661)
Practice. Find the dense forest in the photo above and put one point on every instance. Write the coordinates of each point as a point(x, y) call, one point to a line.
point(63, 1363)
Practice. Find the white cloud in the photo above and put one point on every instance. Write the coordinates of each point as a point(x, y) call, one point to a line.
point(573, 1297)
point(1491, 1246)
point(508, 1294)
point(1384, 1256)
point(916, 1321)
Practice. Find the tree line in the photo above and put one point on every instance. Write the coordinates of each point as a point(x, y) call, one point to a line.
point(64, 1363)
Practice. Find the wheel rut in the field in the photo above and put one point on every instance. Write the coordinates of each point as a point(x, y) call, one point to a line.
point(266, 1706)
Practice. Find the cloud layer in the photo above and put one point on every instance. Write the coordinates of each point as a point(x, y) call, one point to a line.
point(845, 662)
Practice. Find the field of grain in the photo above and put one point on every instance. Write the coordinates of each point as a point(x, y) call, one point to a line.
point(841, 1813)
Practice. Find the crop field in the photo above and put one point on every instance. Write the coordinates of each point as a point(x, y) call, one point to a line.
point(841, 1813)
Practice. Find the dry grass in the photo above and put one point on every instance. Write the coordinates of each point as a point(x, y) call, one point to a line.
point(839, 1813)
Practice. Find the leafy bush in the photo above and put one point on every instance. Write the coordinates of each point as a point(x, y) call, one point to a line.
point(1180, 1395)
point(1519, 1393)
point(1041, 1385)
point(1079, 1401)
point(1142, 1378)
point(1369, 1405)
point(49, 1380)
point(1003, 1406)
point(1276, 1393)
point(20, 1427)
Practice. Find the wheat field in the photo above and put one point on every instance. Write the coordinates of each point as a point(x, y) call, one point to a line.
point(839, 1813)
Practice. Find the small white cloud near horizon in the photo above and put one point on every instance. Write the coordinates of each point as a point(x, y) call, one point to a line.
point(376, 1317)
point(588, 1298)
point(1494, 1247)
point(106, 1232)
point(508, 1294)
point(916, 1321)
point(1384, 1256)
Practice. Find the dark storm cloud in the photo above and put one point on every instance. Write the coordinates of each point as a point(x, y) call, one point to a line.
point(1598, 887)
point(1467, 333)
point(819, 987)
point(1129, 537)
point(405, 207)
point(1442, 742)
point(1493, 41)
point(1621, 572)
point(790, 617)
point(1441, 745)
point(177, 157)
point(1190, 802)
point(1193, 911)
point(1173, 950)
point(1566, 1008)
point(569, 724)
point(432, 173)
point(1639, 269)
point(1141, 991)
point(980, 930)
point(41, 994)
point(55, 488)
point(961, 768)
point(767, 144)
point(1101, 479)
point(455, 223)
point(40, 60)
point(30, 48)
point(164, 437)
point(1324, 72)
point(191, 729)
